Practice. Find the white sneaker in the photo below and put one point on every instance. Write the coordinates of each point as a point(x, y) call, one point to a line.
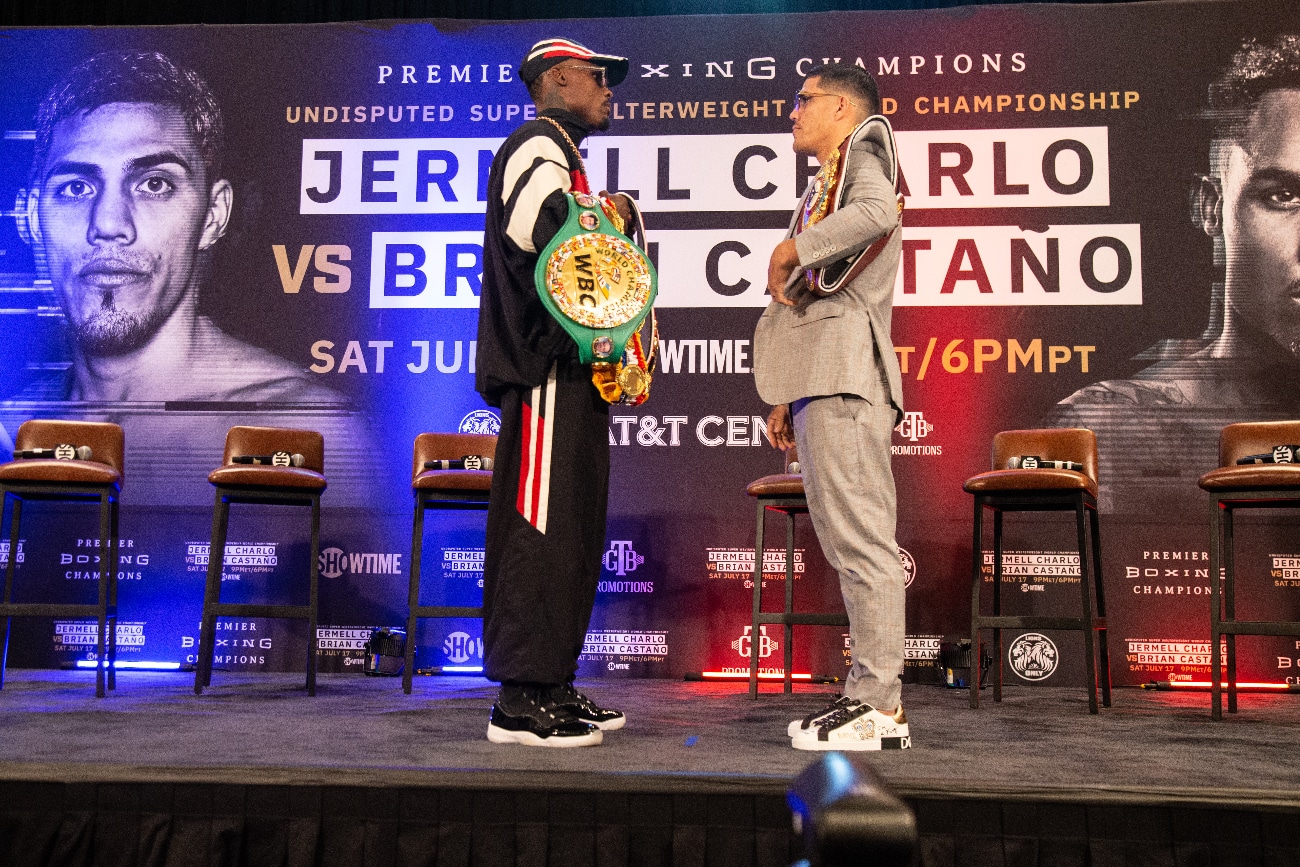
point(856, 727)
point(811, 720)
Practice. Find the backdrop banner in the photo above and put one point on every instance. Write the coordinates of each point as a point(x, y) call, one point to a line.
point(1091, 238)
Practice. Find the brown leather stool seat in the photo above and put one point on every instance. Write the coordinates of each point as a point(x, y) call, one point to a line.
point(299, 484)
point(784, 493)
point(442, 489)
point(96, 479)
point(1004, 489)
point(1243, 486)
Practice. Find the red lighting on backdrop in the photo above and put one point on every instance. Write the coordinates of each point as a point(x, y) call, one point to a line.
point(722, 675)
point(1205, 684)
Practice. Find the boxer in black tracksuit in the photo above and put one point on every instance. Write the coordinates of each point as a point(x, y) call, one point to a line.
point(550, 485)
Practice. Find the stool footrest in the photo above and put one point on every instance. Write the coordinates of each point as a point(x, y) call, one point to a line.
point(1035, 622)
point(234, 609)
point(1258, 627)
point(448, 502)
point(447, 611)
point(47, 609)
point(804, 619)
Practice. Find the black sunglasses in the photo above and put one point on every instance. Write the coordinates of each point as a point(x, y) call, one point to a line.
point(597, 72)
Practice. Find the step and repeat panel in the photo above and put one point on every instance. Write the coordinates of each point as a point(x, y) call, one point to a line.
point(282, 226)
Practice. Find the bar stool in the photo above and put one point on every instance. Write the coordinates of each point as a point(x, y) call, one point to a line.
point(86, 465)
point(1248, 486)
point(784, 493)
point(451, 489)
point(1006, 489)
point(266, 466)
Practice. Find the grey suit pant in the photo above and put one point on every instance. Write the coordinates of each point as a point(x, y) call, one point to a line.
point(844, 449)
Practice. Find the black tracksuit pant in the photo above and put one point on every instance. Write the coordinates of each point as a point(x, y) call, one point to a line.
point(545, 528)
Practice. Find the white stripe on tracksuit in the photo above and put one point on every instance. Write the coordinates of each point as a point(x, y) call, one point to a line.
point(535, 475)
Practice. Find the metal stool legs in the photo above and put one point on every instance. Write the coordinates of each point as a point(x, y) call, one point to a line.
point(15, 518)
point(789, 506)
point(424, 500)
point(413, 592)
point(1224, 625)
point(758, 618)
point(214, 608)
point(108, 562)
point(1090, 619)
point(104, 609)
point(1103, 649)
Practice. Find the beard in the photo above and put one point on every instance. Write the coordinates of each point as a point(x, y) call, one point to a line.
point(112, 331)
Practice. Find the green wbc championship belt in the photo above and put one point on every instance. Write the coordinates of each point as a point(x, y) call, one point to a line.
point(596, 283)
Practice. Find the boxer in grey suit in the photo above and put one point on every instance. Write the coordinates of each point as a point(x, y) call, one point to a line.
point(826, 362)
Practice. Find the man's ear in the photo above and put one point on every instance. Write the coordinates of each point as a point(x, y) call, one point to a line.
point(25, 213)
point(220, 201)
point(1207, 205)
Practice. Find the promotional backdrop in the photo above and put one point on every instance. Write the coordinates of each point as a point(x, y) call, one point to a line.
point(1048, 245)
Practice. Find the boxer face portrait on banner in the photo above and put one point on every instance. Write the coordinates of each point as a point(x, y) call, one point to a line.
point(1158, 429)
point(1251, 206)
point(126, 200)
point(122, 209)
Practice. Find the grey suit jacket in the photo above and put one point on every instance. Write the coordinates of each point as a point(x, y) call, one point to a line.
point(839, 344)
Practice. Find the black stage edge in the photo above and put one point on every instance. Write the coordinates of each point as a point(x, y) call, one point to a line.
point(255, 772)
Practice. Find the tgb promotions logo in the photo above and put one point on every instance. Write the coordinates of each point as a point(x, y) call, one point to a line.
point(766, 644)
point(1033, 656)
point(915, 428)
point(621, 558)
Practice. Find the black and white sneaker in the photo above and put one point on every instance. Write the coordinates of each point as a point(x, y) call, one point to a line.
point(603, 718)
point(856, 726)
point(810, 721)
point(523, 717)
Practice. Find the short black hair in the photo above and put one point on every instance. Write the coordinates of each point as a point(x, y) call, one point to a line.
point(139, 77)
point(1256, 68)
point(854, 80)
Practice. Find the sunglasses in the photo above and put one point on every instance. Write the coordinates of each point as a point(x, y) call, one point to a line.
point(597, 73)
point(803, 97)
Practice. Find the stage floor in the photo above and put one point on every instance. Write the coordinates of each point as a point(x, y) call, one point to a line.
point(1039, 744)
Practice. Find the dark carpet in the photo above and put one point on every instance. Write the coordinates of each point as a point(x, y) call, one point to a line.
point(1039, 744)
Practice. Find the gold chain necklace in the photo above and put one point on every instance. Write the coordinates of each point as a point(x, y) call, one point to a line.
point(582, 167)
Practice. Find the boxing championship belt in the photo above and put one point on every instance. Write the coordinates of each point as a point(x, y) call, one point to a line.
point(600, 287)
point(827, 195)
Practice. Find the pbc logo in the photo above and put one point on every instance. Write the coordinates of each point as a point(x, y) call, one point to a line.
point(914, 426)
point(766, 644)
point(461, 647)
point(621, 559)
point(480, 421)
point(1033, 656)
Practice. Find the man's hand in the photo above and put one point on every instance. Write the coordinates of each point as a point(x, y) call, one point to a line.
point(780, 431)
point(785, 258)
point(622, 203)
